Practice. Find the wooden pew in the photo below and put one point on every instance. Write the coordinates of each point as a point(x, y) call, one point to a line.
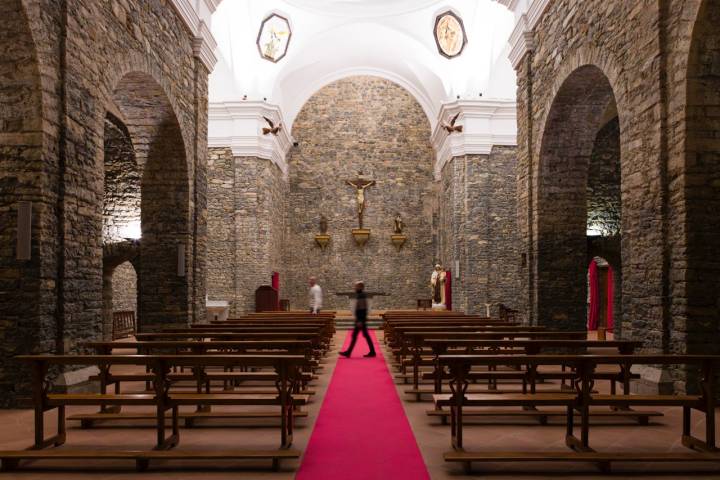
point(529, 382)
point(286, 367)
point(324, 332)
point(411, 342)
point(392, 329)
point(229, 378)
point(319, 342)
point(398, 331)
point(441, 346)
point(581, 400)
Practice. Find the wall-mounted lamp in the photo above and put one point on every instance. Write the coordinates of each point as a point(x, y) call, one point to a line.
point(24, 231)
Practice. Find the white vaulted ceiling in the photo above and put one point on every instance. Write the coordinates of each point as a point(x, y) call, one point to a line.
point(333, 39)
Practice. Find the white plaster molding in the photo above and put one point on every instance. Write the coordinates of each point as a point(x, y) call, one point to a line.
point(204, 47)
point(522, 39)
point(486, 123)
point(238, 125)
point(535, 12)
point(197, 16)
point(510, 4)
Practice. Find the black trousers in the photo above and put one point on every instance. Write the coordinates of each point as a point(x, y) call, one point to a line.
point(361, 326)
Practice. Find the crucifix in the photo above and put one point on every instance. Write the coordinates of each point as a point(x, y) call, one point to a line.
point(360, 185)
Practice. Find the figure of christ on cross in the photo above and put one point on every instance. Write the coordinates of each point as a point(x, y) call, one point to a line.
point(360, 185)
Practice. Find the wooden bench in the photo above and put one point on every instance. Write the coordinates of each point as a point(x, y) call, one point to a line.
point(411, 342)
point(520, 346)
point(390, 326)
point(229, 378)
point(532, 376)
point(10, 460)
point(286, 367)
point(580, 401)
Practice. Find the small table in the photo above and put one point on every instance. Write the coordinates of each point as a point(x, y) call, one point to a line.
point(424, 303)
point(219, 310)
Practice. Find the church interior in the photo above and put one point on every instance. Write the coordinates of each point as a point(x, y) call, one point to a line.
point(511, 205)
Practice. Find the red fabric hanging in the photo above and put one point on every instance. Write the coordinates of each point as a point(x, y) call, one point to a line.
point(594, 311)
point(276, 285)
point(609, 319)
point(448, 289)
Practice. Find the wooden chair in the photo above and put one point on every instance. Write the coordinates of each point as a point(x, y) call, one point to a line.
point(123, 324)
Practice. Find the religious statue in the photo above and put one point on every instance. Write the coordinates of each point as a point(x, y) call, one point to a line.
point(323, 224)
point(360, 186)
point(437, 283)
point(399, 225)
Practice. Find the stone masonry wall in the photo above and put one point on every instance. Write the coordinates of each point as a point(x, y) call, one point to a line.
point(121, 207)
point(649, 53)
point(246, 210)
point(603, 184)
point(368, 125)
point(477, 227)
point(124, 283)
point(83, 49)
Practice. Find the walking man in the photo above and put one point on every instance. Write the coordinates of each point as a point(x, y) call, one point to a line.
point(360, 309)
point(315, 296)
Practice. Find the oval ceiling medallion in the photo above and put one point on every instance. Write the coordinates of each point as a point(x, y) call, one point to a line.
point(450, 35)
point(274, 37)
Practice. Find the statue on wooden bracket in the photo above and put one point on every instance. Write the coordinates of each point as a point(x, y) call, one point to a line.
point(398, 239)
point(437, 283)
point(323, 238)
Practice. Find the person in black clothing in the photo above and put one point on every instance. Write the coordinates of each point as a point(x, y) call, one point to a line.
point(360, 310)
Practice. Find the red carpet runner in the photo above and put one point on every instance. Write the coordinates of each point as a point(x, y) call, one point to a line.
point(361, 431)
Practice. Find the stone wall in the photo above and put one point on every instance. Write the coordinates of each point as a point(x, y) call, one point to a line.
point(477, 227)
point(368, 125)
point(603, 183)
point(121, 205)
point(84, 50)
point(658, 156)
point(246, 223)
point(124, 286)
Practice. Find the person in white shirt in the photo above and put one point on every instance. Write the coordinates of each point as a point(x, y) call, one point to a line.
point(315, 296)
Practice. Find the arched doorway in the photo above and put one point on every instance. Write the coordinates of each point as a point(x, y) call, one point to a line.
point(578, 203)
point(702, 184)
point(27, 296)
point(163, 201)
point(121, 212)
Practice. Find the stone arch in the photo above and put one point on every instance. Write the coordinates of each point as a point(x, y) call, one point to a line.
point(165, 191)
point(26, 327)
point(121, 205)
point(371, 125)
point(701, 178)
point(114, 255)
point(574, 118)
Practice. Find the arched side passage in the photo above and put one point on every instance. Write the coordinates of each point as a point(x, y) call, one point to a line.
point(702, 184)
point(26, 292)
point(164, 277)
point(574, 120)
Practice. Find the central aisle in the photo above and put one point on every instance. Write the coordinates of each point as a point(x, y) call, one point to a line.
point(361, 431)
